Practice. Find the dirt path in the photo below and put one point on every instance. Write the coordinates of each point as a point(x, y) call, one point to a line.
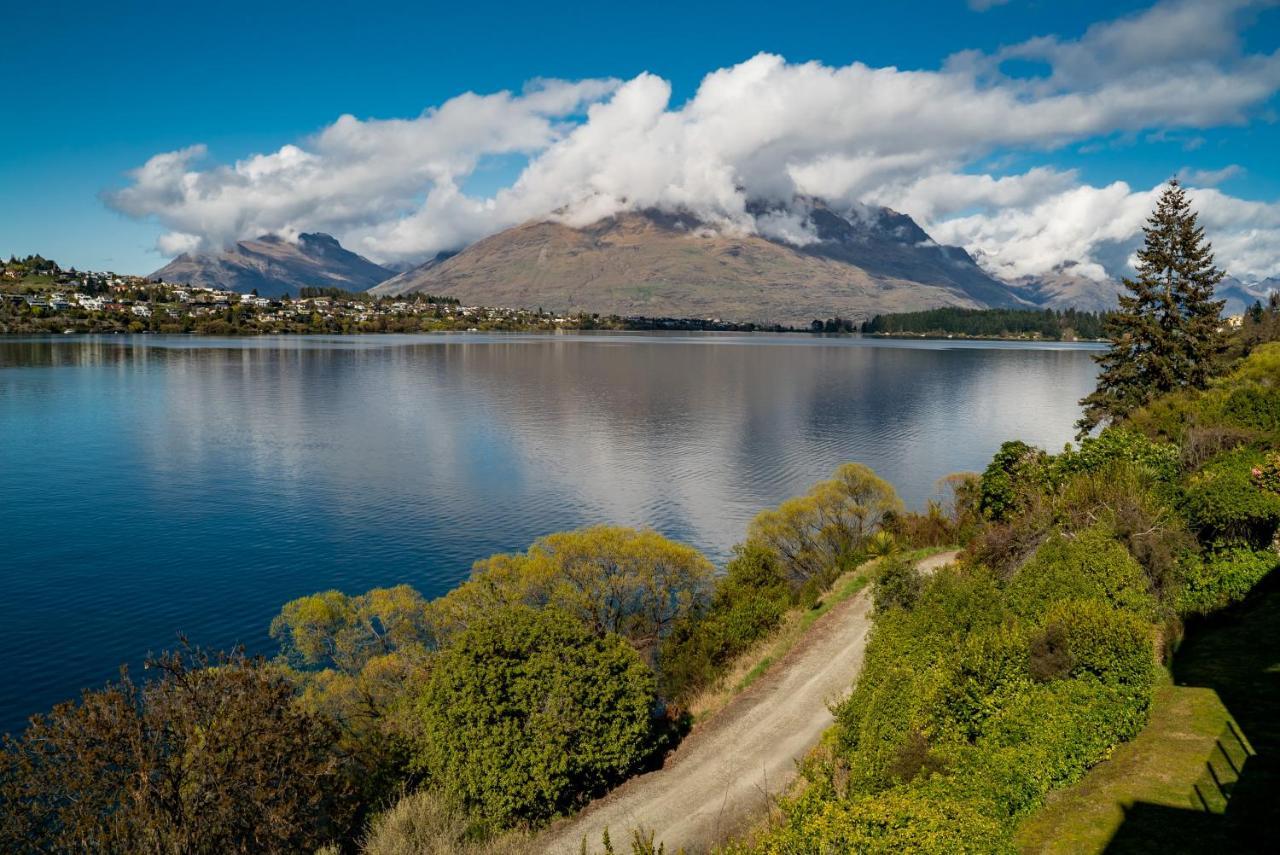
point(724, 774)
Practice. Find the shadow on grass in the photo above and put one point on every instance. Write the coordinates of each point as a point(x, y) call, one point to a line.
point(1235, 804)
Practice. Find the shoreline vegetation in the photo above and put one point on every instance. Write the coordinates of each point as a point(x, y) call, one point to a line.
point(389, 723)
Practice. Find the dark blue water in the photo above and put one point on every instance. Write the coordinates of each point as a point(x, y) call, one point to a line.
point(151, 485)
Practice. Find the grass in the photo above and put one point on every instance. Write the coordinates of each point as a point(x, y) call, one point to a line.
point(756, 662)
point(1204, 775)
point(1159, 767)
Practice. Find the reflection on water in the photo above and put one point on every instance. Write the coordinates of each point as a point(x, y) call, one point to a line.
point(154, 485)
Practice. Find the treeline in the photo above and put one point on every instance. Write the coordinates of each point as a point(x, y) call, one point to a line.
point(31, 265)
point(1057, 325)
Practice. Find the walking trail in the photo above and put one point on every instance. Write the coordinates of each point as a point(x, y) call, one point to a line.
point(725, 773)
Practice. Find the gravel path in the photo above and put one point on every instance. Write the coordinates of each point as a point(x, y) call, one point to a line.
point(725, 772)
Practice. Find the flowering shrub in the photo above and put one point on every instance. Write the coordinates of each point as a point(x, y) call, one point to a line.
point(1267, 473)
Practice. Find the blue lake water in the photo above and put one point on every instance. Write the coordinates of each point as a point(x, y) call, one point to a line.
point(155, 485)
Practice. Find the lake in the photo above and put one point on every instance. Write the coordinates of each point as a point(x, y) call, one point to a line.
point(154, 485)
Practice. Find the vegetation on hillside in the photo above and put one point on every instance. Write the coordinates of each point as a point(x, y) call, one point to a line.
point(992, 683)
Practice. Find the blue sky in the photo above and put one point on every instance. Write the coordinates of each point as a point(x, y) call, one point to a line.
point(94, 92)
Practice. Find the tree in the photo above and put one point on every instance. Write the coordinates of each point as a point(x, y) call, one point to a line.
point(635, 583)
point(1167, 333)
point(812, 535)
point(333, 629)
point(210, 756)
point(528, 713)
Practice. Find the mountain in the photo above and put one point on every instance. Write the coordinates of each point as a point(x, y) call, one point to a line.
point(1065, 287)
point(853, 264)
point(1241, 296)
point(276, 266)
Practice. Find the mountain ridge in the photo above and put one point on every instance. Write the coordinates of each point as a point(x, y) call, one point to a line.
point(275, 266)
point(658, 263)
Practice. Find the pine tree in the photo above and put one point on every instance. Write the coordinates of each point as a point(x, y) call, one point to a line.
point(1167, 333)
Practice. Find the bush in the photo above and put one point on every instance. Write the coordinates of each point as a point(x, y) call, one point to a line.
point(1253, 407)
point(200, 759)
point(635, 583)
point(987, 670)
point(1015, 471)
point(898, 585)
point(1139, 511)
point(1228, 506)
point(1093, 565)
point(900, 820)
point(528, 713)
point(1118, 445)
point(817, 536)
point(1113, 645)
point(425, 823)
point(1223, 577)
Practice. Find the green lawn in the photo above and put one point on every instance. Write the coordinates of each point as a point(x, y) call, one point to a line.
point(1203, 776)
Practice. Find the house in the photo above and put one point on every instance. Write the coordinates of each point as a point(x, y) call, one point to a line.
point(141, 310)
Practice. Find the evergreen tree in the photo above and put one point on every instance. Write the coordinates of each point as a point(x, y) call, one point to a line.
point(1167, 333)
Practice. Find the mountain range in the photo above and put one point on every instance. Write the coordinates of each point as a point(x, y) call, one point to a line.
point(274, 266)
point(852, 263)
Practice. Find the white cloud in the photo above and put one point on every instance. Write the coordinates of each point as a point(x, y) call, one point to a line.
point(765, 128)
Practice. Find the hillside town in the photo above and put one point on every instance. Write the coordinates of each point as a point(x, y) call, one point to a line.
point(38, 296)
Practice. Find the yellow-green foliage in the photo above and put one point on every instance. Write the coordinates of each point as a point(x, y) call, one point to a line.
point(1114, 645)
point(1091, 565)
point(750, 601)
point(1247, 397)
point(635, 583)
point(816, 535)
point(950, 734)
point(894, 822)
point(333, 629)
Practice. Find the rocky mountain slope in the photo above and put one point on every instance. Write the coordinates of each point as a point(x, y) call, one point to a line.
point(276, 266)
point(851, 264)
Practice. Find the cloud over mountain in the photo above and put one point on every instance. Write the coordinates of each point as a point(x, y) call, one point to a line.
point(768, 129)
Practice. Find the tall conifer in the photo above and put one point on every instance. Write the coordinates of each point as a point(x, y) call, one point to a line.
point(1167, 333)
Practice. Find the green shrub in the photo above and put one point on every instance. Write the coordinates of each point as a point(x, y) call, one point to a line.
point(1118, 445)
point(1228, 506)
point(987, 670)
point(898, 585)
point(817, 536)
point(1253, 407)
point(1114, 645)
point(1015, 470)
point(1223, 577)
point(528, 713)
point(900, 820)
point(880, 719)
point(1092, 565)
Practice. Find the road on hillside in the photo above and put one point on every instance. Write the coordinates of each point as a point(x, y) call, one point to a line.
point(726, 772)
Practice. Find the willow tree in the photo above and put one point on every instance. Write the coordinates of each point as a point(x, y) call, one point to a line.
point(1167, 332)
